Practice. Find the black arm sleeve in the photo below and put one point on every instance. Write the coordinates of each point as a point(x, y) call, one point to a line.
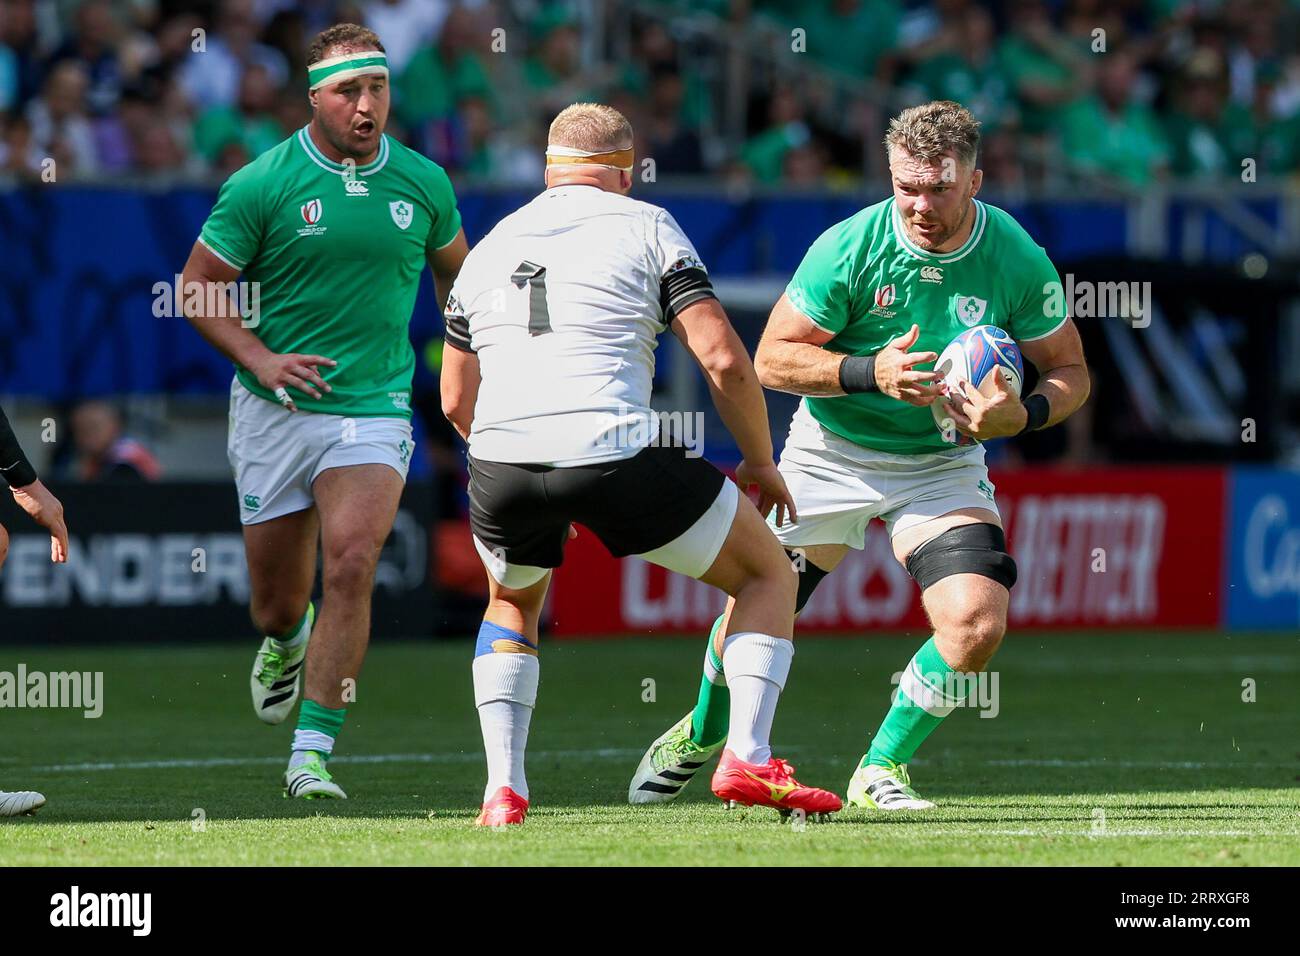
point(457, 335)
point(681, 288)
point(15, 469)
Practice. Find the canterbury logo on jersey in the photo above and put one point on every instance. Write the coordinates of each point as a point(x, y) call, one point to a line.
point(356, 187)
point(931, 274)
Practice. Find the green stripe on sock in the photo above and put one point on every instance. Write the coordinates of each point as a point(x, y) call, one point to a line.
point(712, 715)
point(907, 725)
point(290, 634)
point(312, 716)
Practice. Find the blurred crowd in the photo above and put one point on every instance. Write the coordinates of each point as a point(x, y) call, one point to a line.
point(786, 92)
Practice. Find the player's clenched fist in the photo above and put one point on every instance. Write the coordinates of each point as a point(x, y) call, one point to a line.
point(771, 490)
point(992, 412)
point(896, 376)
point(293, 370)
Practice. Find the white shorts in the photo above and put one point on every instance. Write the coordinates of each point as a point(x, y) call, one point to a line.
point(838, 486)
point(277, 454)
point(690, 553)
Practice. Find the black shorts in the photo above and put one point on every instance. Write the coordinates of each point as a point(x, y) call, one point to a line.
point(634, 505)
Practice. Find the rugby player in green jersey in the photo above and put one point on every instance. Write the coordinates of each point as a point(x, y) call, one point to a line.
point(335, 226)
point(874, 301)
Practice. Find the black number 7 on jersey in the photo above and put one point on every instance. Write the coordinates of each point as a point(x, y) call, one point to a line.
point(539, 319)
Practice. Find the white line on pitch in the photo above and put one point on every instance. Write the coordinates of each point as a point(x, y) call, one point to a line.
point(611, 753)
point(1141, 764)
point(462, 757)
point(1062, 831)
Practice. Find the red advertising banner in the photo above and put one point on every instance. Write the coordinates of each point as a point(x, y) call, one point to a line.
point(1112, 548)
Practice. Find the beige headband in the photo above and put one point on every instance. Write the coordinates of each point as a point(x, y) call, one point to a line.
point(569, 156)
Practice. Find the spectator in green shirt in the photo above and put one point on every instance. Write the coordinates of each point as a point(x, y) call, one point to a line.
point(554, 73)
point(763, 156)
point(970, 74)
point(1109, 136)
point(657, 53)
point(247, 128)
point(1274, 139)
point(1208, 136)
point(439, 75)
point(849, 37)
point(1044, 69)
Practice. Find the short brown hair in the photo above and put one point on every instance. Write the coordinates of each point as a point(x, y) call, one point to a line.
point(346, 37)
point(932, 130)
point(593, 127)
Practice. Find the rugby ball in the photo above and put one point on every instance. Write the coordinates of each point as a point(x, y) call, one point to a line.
point(972, 357)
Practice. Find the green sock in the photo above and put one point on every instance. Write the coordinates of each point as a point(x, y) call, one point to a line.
point(317, 727)
point(923, 700)
point(713, 709)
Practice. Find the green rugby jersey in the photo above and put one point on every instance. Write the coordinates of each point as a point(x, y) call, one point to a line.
point(866, 283)
point(338, 259)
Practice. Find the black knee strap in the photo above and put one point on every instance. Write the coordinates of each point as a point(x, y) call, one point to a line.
point(966, 549)
point(809, 577)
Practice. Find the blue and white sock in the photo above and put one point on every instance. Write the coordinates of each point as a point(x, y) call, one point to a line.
point(506, 672)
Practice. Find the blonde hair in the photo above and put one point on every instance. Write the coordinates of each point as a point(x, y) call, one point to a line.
point(593, 127)
point(932, 130)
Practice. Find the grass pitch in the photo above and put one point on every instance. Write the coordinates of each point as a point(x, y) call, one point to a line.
point(1126, 749)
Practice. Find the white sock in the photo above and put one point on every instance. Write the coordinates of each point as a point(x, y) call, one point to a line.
point(756, 667)
point(505, 691)
point(305, 741)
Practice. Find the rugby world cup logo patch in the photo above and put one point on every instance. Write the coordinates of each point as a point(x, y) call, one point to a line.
point(311, 212)
point(885, 296)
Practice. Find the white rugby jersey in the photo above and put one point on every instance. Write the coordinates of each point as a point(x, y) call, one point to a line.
point(563, 302)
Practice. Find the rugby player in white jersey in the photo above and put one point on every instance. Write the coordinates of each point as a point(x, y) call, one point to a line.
point(552, 326)
point(33, 497)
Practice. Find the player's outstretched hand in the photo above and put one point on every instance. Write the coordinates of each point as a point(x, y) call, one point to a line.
point(771, 490)
point(994, 411)
point(47, 511)
point(293, 370)
point(896, 377)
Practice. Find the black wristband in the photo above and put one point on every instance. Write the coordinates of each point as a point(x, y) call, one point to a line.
point(1039, 409)
point(858, 374)
point(15, 469)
